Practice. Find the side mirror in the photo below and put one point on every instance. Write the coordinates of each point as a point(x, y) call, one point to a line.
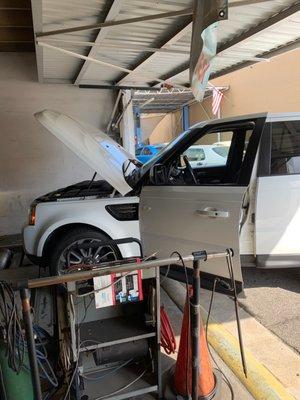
point(158, 174)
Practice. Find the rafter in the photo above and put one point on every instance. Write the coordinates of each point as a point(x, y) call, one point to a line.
point(240, 38)
point(112, 13)
point(101, 25)
point(171, 40)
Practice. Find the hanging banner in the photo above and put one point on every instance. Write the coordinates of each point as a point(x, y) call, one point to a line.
point(207, 13)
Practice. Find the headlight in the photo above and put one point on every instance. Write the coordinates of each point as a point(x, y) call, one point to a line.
point(32, 215)
point(124, 212)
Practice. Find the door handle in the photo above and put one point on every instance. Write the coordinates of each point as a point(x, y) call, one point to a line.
point(213, 213)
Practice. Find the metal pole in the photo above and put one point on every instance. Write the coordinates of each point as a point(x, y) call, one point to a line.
point(34, 369)
point(103, 63)
point(195, 328)
point(114, 111)
point(105, 270)
point(169, 14)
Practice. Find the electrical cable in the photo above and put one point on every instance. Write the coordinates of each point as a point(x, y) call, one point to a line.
point(3, 394)
point(168, 341)
point(112, 283)
point(108, 373)
point(11, 327)
point(124, 387)
point(46, 370)
point(76, 365)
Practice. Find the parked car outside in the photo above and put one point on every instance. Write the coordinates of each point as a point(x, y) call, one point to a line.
point(207, 155)
point(145, 153)
point(250, 203)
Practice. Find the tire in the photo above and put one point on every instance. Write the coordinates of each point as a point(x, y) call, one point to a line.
point(66, 252)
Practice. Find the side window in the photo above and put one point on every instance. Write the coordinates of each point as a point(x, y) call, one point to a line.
point(147, 152)
point(195, 155)
point(210, 151)
point(138, 151)
point(285, 153)
point(214, 159)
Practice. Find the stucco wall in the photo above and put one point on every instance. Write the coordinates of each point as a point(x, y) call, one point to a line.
point(32, 161)
point(148, 124)
point(164, 129)
point(272, 86)
point(266, 86)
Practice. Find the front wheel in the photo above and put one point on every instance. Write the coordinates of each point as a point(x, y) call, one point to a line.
point(78, 247)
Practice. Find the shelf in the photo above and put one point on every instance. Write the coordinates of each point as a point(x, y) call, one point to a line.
point(113, 331)
point(114, 382)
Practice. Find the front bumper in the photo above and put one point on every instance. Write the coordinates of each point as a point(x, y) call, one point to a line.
point(30, 240)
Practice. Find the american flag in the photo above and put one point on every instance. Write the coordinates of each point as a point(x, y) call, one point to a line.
point(216, 100)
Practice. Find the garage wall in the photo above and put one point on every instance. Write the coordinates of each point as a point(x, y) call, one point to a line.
point(148, 124)
point(266, 86)
point(168, 128)
point(32, 161)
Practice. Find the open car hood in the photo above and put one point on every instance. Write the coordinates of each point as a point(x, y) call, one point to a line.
point(94, 147)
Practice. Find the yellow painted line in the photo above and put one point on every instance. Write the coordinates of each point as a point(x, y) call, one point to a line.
point(260, 382)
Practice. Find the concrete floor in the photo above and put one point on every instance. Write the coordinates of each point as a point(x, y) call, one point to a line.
point(175, 316)
point(273, 298)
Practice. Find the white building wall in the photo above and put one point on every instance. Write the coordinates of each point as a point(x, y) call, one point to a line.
point(32, 161)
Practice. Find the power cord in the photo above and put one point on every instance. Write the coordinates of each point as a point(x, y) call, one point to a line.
point(168, 341)
point(10, 326)
point(113, 371)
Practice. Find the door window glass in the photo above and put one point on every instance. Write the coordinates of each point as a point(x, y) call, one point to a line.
point(285, 154)
point(147, 152)
point(206, 149)
point(195, 153)
point(221, 150)
point(215, 158)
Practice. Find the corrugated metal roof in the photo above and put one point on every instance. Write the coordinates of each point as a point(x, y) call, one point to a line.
point(125, 45)
point(164, 100)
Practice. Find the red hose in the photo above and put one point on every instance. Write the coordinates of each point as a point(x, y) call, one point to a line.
point(168, 341)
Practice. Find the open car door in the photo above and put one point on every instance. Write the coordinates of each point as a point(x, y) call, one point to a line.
point(203, 210)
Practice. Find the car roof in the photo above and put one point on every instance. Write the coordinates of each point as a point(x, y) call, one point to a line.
point(284, 116)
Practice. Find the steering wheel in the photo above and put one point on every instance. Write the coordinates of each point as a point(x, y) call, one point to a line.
point(189, 168)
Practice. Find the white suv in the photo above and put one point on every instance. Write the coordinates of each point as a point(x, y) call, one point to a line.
point(250, 202)
point(62, 223)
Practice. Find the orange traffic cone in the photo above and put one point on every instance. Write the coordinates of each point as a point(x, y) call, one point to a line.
point(182, 379)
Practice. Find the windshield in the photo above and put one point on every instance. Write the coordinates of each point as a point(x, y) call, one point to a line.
point(165, 150)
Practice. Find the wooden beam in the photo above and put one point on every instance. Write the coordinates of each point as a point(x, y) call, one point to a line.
point(13, 4)
point(15, 18)
point(113, 12)
point(8, 34)
point(17, 47)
